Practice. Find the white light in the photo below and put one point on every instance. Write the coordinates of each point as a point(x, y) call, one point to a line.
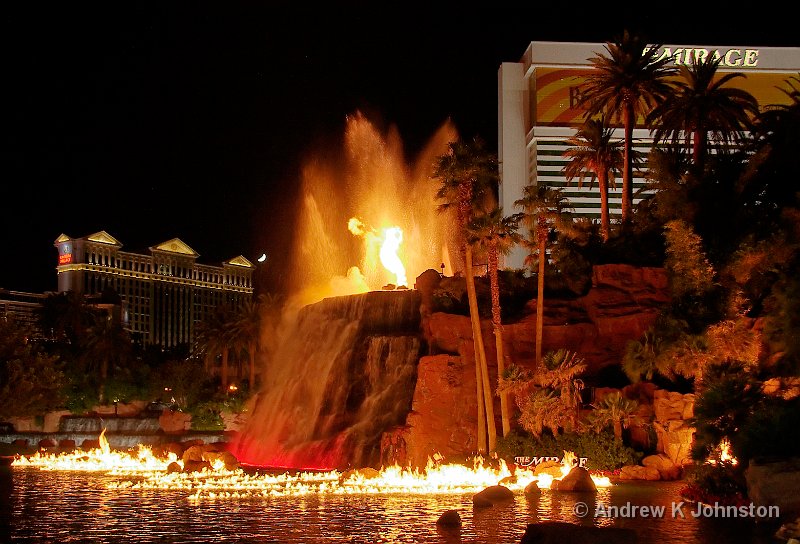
point(262, 258)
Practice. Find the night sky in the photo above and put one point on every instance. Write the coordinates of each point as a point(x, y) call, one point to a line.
point(155, 120)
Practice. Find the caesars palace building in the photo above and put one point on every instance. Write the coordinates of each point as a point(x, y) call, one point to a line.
point(164, 293)
point(538, 112)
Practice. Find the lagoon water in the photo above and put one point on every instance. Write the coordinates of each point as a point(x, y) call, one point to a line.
point(64, 507)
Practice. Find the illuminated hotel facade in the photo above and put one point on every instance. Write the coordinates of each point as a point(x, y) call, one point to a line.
point(165, 293)
point(538, 112)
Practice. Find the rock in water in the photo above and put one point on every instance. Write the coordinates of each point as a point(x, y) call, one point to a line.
point(578, 479)
point(493, 494)
point(450, 518)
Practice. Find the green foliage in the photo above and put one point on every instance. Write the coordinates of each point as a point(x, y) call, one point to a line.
point(81, 392)
point(30, 385)
point(616, 411)
point(730, 396)
point(206, 415)
point(604, 452)
point(31, 382)
point(184, 380)
point(549, 398)
point(771, 431)
point(721, 483)
point(690, 271)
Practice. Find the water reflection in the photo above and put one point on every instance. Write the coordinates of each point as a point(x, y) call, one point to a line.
point(76, 507)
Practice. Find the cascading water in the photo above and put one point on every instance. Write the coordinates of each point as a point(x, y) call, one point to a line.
point(345, 367)
point(344, 374)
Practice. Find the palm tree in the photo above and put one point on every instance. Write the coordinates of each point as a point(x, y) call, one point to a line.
point(776, 133)
point(592, 151)
point(213, 338)
point(703, 107)
point(497, 235)
point(108, 345)
point(466, 172)
point(545, 209)
point(614, 410)
point(627, 82)
point(246, 328)
point(551, 397)
point(66, 316)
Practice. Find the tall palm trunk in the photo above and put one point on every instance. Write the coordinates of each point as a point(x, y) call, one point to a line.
point(497, 326)
point(698, 149)
point(542, 236)
point(627, 174)
point(482, 369)
point(602, 181)
point(224, 375)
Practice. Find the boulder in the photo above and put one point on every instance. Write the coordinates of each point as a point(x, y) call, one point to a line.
point(557, 532)
point(493, 495)
point(532, 490)
point(52, 420)
point(173, 467)
point(450, 518)
point(90, 444)
point(775, 484)
point(578, 479)
point(174, 422)
point(675, 440)
point(66, 443)
point(666, 468)
point(196, 466)
point(638, 472)
point(228, 459)
point(47, 443)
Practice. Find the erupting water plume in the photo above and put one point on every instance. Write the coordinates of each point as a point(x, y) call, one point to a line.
point(373, 188)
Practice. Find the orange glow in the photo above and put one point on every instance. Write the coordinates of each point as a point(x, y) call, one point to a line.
point(100, 459)
point(724, 454)
point(389, 243)
point(219, 483)
point(374, 186)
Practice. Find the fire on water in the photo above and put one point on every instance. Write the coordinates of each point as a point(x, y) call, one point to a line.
point(146, 471)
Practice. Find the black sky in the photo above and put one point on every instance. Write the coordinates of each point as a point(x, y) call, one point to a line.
point(154, 120)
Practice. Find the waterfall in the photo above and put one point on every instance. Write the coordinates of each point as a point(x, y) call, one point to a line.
point(344, 373)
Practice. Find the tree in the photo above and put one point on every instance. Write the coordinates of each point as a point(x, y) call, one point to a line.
point(629, 81)
point(614, 410)
point(466, 172)
point(545, 209)
point(213, 338)
point(497, 235)
point(108, 346)
point(65, 317)
point(31, 382)
point(703, 107)
point(593, 151)
point(551, 396)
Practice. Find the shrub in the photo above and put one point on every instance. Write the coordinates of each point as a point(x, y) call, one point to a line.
point(603, 451)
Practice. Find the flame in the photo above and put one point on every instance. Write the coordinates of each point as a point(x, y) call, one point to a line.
point(392, 238)
point(389, 242)
point(217, 482)
point(100, 459)
point(723, 454)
